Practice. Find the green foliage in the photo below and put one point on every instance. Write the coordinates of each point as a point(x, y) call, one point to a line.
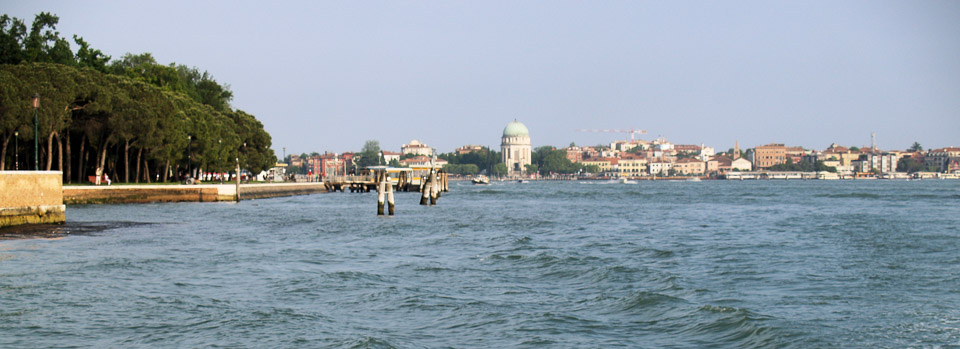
point(915, 147)
point(549, 160)
point(911, 165)
point(499, 170)
point(112, 114)
point(369, 155)
point(484, 159)
point(462, 169)
point(591, 169)
point(854, 148)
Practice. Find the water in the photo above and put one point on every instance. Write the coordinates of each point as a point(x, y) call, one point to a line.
point(555, 264)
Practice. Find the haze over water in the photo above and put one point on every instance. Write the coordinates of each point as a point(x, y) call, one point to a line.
point(555, 264)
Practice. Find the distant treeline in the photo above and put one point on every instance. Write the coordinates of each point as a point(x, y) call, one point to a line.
point(132, 117)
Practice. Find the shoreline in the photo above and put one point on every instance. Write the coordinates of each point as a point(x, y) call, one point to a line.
point(135, 194)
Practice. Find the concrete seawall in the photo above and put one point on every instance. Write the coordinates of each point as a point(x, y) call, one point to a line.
point(123, 194)
point(31, 197)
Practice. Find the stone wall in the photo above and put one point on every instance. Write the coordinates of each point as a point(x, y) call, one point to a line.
point(125, 194)
point(30, 197)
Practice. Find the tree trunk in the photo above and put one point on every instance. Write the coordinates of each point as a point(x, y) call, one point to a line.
point(146, 169)
point(166, 171)
point(103, 152)
point(66, 171)
point(3, 153)
point(50, 150)
point(59, 153)
point(83, 156)
point(126, 162)
point(139, 152)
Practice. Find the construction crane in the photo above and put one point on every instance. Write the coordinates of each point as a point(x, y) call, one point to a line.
point(631, 131)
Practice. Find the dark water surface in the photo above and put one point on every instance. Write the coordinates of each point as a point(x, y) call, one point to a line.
point(554, 264)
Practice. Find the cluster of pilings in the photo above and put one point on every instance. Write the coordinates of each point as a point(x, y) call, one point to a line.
point(431, 186)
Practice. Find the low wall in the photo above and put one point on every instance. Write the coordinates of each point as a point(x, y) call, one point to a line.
point(31, 197)
point(263, 191)
point(123, 194)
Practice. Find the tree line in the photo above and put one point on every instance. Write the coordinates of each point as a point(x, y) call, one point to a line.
point(132, 118)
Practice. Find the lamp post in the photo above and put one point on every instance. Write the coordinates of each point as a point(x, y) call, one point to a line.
point(219, 164)
point(36, 132)
point(189, 156)
point(16, 150)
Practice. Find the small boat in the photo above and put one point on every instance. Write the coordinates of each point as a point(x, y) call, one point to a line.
point(521, 181)
point(481, 179)
point(693, 179)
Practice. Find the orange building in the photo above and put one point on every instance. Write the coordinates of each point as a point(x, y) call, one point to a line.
point(768, 155)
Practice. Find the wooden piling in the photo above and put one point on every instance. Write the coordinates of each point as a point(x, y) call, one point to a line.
point(381, 193)
point(389, 195)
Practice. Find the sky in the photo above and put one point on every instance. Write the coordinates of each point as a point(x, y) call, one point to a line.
point(328, 76)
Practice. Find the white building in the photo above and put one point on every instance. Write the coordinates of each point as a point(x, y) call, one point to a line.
point(515, 148)
point(741, 164)
point(416, 148)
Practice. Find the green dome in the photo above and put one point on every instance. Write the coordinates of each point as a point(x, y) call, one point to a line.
point(515, 129)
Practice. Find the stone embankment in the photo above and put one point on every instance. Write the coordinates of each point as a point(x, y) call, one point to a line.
point(124, 194)
point(31, 197)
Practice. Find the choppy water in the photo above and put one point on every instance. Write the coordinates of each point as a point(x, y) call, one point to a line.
point(556, 264)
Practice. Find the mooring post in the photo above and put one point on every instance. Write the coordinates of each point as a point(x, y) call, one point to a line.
point(434, 192)
point(238, 179)
point(381, 192)
point(425, 188)
point(389, 195)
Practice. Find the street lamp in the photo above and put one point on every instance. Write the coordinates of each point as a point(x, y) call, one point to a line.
point(36, 135)
point(189, 156)
point(16, 150)
point(220, 164)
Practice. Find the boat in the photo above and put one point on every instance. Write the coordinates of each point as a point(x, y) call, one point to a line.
point(521, 181)
point(480, 179)
point(693, 179)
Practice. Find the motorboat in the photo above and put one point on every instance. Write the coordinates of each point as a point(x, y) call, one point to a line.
point(481, 179)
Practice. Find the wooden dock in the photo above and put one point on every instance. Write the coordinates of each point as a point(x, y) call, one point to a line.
point(402, 179)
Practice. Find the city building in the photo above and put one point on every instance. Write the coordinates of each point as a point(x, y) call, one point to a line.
point(515, 148)
point(632, 165)
point(659, 167)
point(768, 155)
point(390, 156)
point(603, 164)
point(422, 161)
point(469, 149)
point(945, 159)
point(416, 148)
point(689, 167)
point(741, 164)
point(574, 154)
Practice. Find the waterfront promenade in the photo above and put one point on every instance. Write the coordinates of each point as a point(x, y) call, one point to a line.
point(119, 194)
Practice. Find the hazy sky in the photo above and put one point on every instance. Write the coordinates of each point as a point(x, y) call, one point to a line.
point(327, 76)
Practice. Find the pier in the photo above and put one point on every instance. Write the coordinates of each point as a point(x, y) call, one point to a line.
point(401, 178)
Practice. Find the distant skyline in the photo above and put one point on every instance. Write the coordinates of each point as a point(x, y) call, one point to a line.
point(327, 76)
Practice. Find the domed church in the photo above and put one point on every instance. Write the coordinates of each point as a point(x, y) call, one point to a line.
point(515, 147)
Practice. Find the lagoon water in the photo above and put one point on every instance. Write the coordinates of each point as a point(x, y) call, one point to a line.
point(801, 264)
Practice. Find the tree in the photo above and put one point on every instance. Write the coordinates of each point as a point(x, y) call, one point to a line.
point(854, 148)
point(499, 170)
point(12, 35)
point(915, 147)
point(531, 168)
point(369, 155)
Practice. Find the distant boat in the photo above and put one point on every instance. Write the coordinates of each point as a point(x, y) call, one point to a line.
point(521, 181)
point(481, 179)
point(693, 179)
point(624, 180)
